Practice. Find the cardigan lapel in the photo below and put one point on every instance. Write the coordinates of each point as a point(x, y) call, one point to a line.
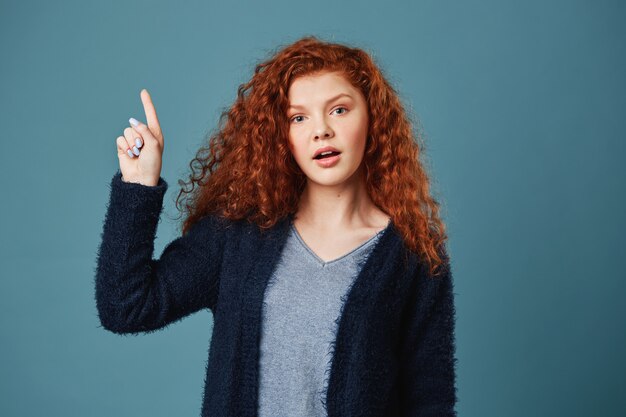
point(271, 243)
point(355, 305)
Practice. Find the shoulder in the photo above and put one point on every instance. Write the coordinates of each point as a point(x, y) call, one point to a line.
point(437, 289)
point(215, 225)
point(209, 230)
point(427, 286)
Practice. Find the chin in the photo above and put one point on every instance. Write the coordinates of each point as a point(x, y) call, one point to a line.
point(332, 178)
point(327, 183)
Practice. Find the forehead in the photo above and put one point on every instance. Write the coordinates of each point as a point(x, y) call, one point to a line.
point(311, 88)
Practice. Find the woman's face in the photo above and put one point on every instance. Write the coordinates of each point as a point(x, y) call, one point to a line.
point(325, 110)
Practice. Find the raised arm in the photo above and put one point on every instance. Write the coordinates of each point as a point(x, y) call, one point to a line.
point(136, 293)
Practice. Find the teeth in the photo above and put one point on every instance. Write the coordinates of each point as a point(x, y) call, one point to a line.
point(326, 153)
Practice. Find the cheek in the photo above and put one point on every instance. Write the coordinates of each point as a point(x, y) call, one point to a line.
point(296, 151)
point(358, 141)
point(295, 146)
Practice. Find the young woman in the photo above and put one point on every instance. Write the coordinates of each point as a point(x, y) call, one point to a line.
point(311, 236)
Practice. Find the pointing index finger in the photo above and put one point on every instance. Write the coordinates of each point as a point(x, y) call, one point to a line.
point(151, 116)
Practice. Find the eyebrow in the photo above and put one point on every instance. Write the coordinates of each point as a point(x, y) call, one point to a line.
point(296, 106)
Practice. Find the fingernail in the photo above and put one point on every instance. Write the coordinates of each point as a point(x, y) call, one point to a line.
point(138, 142)
point(133, 121)
point(130, 153)
point(135, 150)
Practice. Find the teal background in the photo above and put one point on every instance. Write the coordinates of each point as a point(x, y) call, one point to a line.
point(522, 106)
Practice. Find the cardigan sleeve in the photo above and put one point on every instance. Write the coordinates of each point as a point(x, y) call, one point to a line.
point(427, 375)
point(135, 293)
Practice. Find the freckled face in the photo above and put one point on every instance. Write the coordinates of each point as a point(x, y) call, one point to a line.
point(326, 110)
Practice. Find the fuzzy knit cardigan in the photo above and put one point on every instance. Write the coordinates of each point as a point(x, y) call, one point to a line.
point(394, 353)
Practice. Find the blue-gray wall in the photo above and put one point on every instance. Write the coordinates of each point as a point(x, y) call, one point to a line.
point(522, 105)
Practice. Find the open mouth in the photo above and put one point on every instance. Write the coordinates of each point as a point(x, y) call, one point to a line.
point(324, 155)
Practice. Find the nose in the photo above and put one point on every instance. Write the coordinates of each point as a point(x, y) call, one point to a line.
point(323, 130)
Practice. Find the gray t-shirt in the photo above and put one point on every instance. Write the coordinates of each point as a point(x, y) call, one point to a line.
point(302, 302)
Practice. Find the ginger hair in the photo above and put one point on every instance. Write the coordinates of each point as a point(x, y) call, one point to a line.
point(247, 171)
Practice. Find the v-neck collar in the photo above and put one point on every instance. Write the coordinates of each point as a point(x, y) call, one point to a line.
point(321, 261)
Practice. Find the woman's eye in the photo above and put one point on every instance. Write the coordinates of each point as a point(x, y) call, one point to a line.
point(293, 119)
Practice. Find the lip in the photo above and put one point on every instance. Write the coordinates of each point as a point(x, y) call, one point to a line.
point(328, 162)
point(325, 149)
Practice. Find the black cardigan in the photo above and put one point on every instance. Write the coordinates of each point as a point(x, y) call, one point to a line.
point(394, 354)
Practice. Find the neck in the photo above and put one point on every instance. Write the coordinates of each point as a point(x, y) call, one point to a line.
point(335, 207)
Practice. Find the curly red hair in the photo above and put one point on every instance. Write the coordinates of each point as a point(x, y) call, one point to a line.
point(248, 172)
